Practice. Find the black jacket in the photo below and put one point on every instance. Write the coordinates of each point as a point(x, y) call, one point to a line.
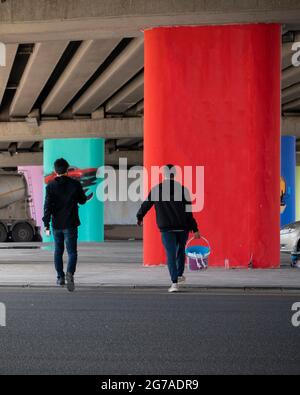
point(170, 207)
point(61, 203)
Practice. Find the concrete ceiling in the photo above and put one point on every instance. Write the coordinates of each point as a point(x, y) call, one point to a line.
point(90, 80)
point(90, 73)
point(26, 21)
point(63, 80)
point(81, 84)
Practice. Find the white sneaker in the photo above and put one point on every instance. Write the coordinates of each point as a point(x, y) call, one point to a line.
point(174, 288)
point(181, 279)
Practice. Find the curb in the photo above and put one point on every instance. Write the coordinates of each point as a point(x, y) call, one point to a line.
point(199, 288)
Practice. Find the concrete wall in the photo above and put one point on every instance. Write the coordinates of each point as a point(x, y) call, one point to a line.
point(121, 213)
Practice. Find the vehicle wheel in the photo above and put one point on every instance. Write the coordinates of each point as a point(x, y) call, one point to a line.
point(22, 232)
point(3, 233)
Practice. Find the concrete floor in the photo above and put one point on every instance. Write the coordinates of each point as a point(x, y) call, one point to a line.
point(120, 264)
point(108, 252)
point(147, 331)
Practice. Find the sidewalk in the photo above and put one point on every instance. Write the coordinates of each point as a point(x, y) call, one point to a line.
point(119, 264)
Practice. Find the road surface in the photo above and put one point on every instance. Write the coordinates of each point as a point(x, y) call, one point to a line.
point(147, 331)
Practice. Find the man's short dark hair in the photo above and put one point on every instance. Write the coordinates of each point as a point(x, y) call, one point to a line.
point(170, 171)
point(61, 166)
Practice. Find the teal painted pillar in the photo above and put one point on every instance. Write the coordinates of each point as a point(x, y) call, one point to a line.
point(85, 156)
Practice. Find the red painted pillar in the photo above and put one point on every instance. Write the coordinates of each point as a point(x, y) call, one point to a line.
point(212, 99)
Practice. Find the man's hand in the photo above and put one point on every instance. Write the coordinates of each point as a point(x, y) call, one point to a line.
point(139, 222)
point(47, 232)
point(197, 235)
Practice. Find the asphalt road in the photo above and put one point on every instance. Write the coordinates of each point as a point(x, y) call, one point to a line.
point(147, 331)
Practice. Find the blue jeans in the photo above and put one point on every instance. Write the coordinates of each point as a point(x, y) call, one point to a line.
point(174, 243)
point(68, 237)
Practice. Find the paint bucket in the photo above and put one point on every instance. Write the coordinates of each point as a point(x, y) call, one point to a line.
point(197, 256)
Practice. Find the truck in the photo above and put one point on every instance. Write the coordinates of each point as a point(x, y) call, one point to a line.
point(16, 222)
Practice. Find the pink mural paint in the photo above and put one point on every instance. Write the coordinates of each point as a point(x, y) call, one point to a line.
point(35, 180)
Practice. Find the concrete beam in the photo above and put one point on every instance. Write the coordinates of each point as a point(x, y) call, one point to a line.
point(134, 158)
point(4, 145)
point(21, 159)
point(113, 128)
point(287, 54)
point(11, 51)
point(136, 110)
point(127, 97)
point(41, 64)
point(140, 107)
point(25, 144)
point(292, 106)
point(290, 94)
point(123, 68)
point(41, 20)
point(127, 142)
point(90, 55)
point(98, 114)
point(290, 76)
point(290, 126)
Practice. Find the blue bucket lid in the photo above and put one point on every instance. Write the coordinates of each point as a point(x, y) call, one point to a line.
point(198, 250)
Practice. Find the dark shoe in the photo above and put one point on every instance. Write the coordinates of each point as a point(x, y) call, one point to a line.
point(60, 282)
point(70, 282)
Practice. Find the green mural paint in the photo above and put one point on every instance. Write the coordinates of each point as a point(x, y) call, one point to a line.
point(85, 156)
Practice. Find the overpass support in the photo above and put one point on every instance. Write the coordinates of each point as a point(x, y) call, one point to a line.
point(85, 156)
point(212, 99)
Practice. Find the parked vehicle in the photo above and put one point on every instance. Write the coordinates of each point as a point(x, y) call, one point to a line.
point(290, 238)
point(16, 222)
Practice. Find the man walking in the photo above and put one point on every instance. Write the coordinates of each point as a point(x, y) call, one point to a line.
point(170, 199)
point(61, 206)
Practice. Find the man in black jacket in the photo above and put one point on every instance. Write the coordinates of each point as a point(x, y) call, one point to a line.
point(61, 205)
point(171, 199)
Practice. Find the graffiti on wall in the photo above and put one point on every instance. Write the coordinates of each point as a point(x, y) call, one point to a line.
point(87, 178)
point(283, 194)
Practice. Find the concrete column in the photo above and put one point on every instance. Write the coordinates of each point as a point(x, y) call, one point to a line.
point(288, 180)
point(85, 156)
point(212, 99)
